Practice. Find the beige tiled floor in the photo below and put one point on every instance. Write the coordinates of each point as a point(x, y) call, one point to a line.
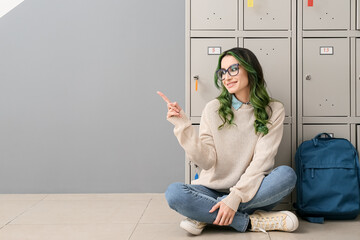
point(128, 216)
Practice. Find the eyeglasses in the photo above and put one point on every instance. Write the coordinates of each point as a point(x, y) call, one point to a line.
point(233, 70)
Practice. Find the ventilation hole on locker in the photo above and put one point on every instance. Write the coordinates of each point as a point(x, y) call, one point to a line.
point(267, 54)
point(267, 13)
point(332, 18)
point(220, 18)
point(273, 18)
point(261, 49)
point(273, 49)
point(326, 13)
point(320, 105)
point(332, 104)
point(325, 100)
point(207, 18)
point(214, 13)
point(320, 18)
point(260, 18)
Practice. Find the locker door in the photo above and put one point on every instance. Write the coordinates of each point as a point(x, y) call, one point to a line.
point(358, 76)
point(275, 59)
point(338, 131)
point(358, 138)
point(326, 77)
point(193, 169)
point(213, 14)
point(284, 156)
point(204, 58)
point(326, 15)
point(358, 15)
point(267, 15)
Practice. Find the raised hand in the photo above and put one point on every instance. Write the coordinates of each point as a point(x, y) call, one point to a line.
point(173, 108)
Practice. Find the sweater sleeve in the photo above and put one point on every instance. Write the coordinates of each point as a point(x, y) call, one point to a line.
point(262, 163)
point(199, 148)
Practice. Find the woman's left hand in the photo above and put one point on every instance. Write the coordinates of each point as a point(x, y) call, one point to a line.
point(225, 215)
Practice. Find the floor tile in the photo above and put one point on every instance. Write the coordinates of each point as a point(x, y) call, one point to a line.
point(174, 232)
point(330, 230)
point(107, 196)
point(68, 232)
point(159, 211)
point(22, 196)
point(10, 209)
point(83, 211)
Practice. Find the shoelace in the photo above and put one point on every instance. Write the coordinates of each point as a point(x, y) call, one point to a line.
point(274, 223)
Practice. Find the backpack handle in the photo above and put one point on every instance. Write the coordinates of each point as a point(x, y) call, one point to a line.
point(320, 134)
point(315, 139)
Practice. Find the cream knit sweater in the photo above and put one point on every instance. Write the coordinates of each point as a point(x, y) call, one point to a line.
point(234, 159)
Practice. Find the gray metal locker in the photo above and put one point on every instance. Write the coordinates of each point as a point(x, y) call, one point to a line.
point(338, 131)
point(326, 15)
point(358, 138)
point(213, 14)
point(275, 58)
point(193, 169)
point(284, 155)
point(357, 61)
point(326, 66)
point(204, 58)
point(267, 15)
point(358, 15)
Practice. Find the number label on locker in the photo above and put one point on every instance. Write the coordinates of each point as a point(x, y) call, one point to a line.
point(326, 50)
point(214, 50)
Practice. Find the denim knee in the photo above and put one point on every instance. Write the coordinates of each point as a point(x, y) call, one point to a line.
point(288, 174)
point(173, 193)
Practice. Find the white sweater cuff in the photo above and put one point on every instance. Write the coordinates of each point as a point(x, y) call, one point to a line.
point(232, 200)
point(180, 121)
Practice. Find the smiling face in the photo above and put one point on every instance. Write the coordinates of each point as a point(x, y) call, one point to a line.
point(239, 84)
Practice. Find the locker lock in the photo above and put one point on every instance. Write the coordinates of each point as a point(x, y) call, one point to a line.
point(308, 77)
point(196, 78)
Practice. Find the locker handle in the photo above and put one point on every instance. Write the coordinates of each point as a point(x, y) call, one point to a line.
point(196, 78)
point(308, 77)
point(310, 3)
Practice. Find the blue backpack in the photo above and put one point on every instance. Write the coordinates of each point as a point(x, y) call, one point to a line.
point(328, 183)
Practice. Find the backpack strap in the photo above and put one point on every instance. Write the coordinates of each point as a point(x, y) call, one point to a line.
point(358, 168)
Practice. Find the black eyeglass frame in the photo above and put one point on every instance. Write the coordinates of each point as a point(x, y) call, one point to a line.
point(224, 71)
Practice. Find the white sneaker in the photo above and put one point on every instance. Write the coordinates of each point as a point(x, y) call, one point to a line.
point(192, 226)
point(269, 221)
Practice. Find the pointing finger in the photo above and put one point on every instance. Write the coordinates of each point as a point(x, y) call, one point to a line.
point(163, 97)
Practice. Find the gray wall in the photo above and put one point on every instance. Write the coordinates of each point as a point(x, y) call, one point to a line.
point(79, 111)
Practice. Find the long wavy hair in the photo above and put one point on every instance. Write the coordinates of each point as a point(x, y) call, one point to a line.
point(259, 98)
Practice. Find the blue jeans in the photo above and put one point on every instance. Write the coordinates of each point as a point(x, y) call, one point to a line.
point(195, 201)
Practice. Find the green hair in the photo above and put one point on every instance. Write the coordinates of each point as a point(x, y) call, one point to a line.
point(259, 98)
